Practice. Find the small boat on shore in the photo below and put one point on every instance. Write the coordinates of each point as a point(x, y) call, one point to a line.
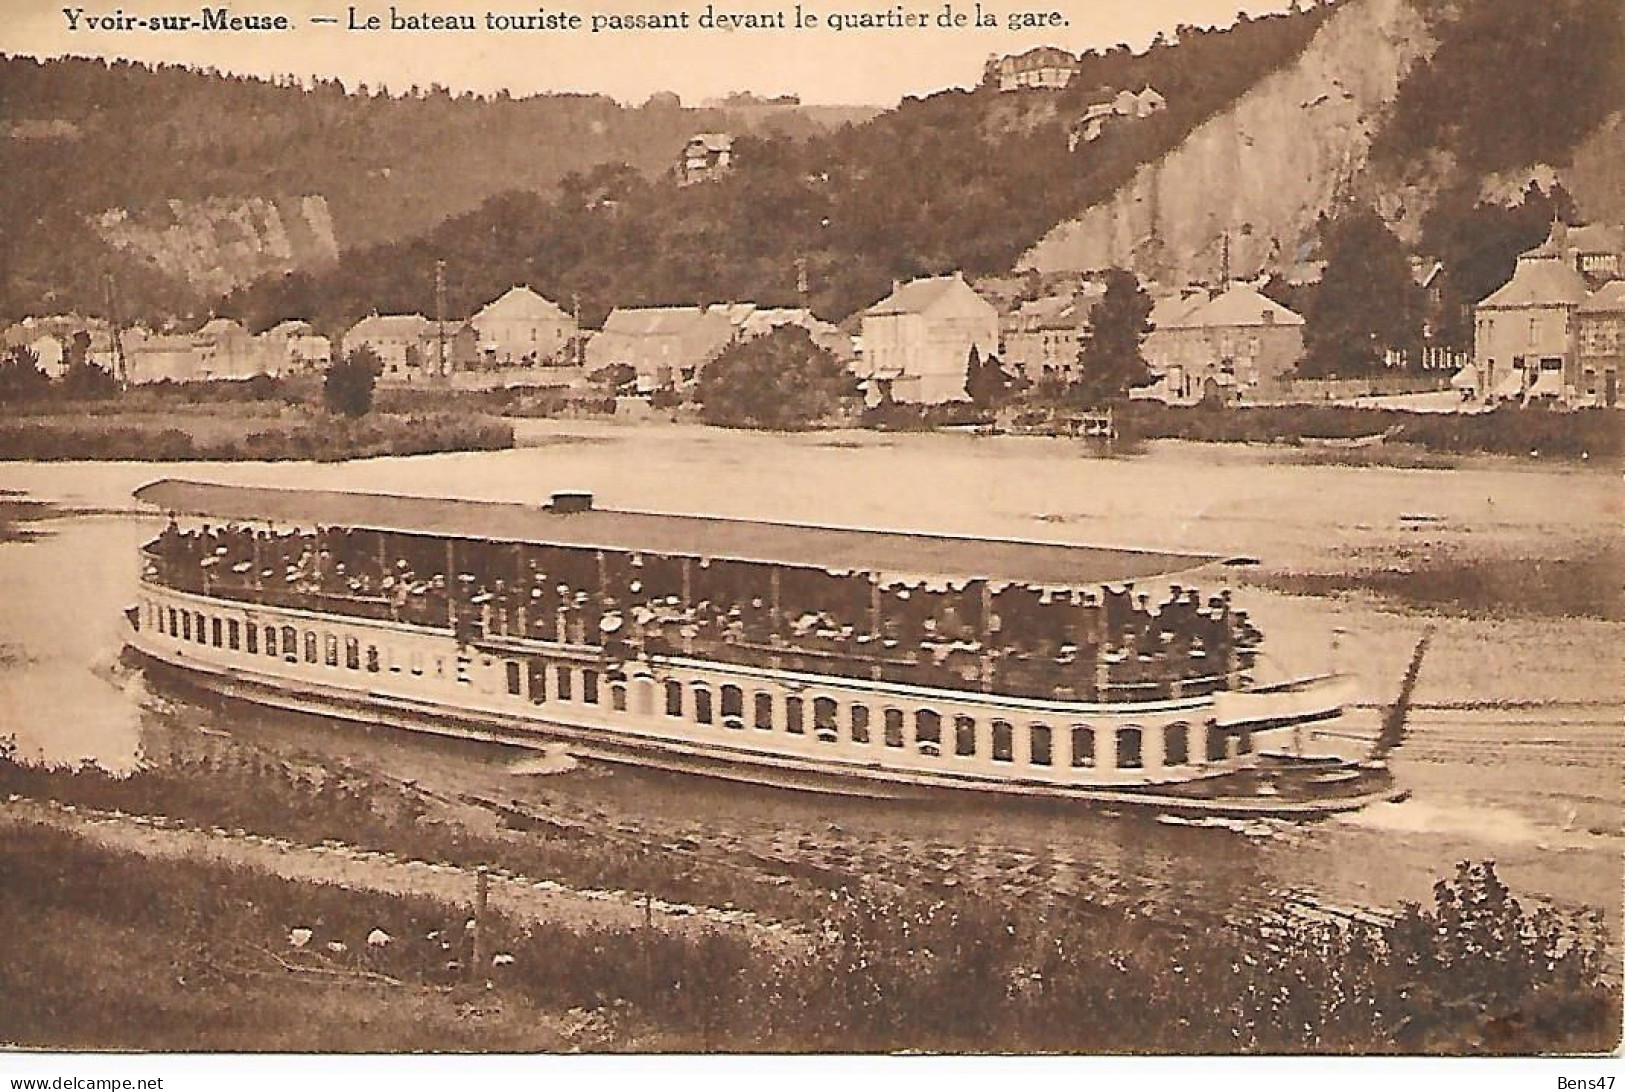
point(1350, 443)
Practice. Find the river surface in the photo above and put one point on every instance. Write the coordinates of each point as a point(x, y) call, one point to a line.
point(1516, 745)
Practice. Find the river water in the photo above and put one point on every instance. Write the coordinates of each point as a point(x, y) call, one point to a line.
point(1516, 743)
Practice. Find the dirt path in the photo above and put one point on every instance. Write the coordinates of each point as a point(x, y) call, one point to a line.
point(521, 898)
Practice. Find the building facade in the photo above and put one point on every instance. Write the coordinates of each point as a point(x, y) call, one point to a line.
point(667, 346)
point(1524, 332)
point(1601, 346)
point(522, 327)
point(917, 341)
point(1237, 344)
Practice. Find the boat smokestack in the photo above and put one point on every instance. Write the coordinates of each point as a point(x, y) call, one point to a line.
point(570, 501)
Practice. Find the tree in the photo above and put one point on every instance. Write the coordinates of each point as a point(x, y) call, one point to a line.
point(1110, 362)
point(21, 379)
point(987, 383)
point(614, 378)
point(350, 382)
point(780, 380)
point(1367, 302)
point(84, 378)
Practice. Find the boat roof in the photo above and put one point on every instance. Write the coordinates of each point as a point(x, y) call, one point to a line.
point(836, 549)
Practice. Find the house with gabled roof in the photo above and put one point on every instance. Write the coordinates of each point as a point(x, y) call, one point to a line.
point(917, 341)
point(522, 327)
point(1239, 342)
point(1523, 332)
point(667, 346)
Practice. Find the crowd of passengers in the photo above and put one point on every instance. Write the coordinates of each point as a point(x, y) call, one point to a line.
point(1094, 644)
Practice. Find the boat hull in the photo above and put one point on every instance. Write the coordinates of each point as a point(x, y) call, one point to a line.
point(462, 695)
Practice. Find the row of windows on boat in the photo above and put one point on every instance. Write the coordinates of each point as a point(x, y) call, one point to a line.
point(1092, 644)
point(726, 706)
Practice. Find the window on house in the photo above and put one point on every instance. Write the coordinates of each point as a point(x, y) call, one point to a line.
point(795, 716)
point(234, 632)
point(702, 703)
point(674, 698)
point(589, 686)
point(733, 707)
point(562, 677)
point(352, 654)
point(252, 632)
point(824, 720)
point(763, 717)
point(515, 678)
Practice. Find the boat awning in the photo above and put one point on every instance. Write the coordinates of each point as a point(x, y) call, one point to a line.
point(1466, 379)
point(800, 545)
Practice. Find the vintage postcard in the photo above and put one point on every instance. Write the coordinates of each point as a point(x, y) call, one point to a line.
point(956, 527)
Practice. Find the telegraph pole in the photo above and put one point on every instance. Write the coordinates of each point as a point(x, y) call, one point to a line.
point(120, 372)
point(440, 316)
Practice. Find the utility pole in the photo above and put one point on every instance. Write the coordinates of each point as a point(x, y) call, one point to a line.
point(575, 306)
point(119, 370)
point(440, 316)
point(1224, 262)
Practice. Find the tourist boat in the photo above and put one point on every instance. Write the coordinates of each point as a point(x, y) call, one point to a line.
point(836, 659)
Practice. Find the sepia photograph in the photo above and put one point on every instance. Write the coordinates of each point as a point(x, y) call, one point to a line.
point(1081, 528)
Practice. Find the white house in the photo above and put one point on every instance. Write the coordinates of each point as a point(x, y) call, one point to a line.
point(917, 341)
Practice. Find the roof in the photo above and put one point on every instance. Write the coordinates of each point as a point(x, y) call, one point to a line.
point(655, 321)
point(1240, 305)
point(292, 328)
point(1539, 281)
point(1597, 239)
point(1168, 311)
point(520, 302)
point(832, 548)
point(918, 296)
point(712, 142)
point(217, 326)
point(1608, 299)
point(390, 326)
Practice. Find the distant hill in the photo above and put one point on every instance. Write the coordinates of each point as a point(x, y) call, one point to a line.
point(961, 179)
point(229, 167)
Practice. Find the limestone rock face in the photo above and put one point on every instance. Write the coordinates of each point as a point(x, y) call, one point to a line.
point(221, 242)
point(1262, 170)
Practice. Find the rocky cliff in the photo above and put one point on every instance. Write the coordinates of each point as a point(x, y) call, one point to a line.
point(218, 243)
point(1260, 172)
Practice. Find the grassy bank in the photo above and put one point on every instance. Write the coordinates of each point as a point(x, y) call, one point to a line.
point(1592, 433)
point(246, 431)
point(102, 950)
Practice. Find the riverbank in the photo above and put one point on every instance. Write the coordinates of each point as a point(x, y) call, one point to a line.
point(117, 940)
point(1581, 434)
point(256, 432)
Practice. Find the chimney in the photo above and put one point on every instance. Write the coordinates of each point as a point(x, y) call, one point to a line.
point(568, 502)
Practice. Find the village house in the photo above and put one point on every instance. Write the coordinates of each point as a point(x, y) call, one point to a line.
point(297, 348)
point(917, 341)
point(1524, 331)
point(1045, 67)
point(750, 321)
point(1597, 251)
point(1043, 337)
point(522, 327)
point(667, 346)
point(1601, 343)
point(51, 339)
point(406, 345)
point(706, 156)
point(1239, 343)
